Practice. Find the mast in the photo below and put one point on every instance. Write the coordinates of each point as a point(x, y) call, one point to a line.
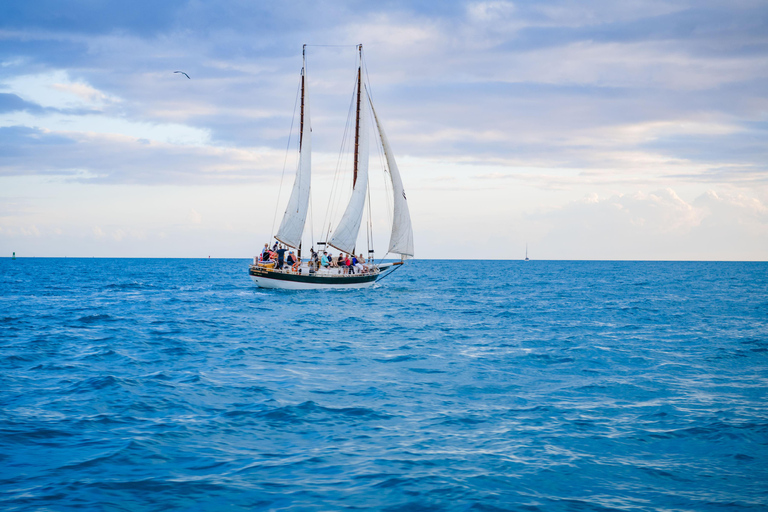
point(345, 236)
point(295, 216)
point(303, 78)
point(357, 114)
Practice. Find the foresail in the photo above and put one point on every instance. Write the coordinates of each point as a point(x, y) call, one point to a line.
point(401, 240)
point(292, 225)
point(345, 236)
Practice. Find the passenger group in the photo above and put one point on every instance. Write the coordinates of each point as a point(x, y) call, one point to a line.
point(277, 258)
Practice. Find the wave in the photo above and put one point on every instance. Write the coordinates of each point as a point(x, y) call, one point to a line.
point(98, 318)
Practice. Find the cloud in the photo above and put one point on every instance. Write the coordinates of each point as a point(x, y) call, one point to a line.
point(58, 92)
point(83, 91)
point(30, 231)
point(565, 69)
point(13, 103)
point(113, 159)
point(140, 16)
point(657, 225)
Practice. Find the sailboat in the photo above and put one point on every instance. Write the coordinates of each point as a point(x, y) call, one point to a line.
point(526, 252)
point(311, 273)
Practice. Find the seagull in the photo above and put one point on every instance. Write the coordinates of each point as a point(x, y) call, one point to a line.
point(183, 73)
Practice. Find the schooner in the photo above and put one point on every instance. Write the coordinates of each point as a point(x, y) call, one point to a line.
point(309, 273)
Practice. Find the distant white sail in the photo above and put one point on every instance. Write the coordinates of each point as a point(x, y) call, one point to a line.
point(292, 225)
point(401, 240)
point(345, 236)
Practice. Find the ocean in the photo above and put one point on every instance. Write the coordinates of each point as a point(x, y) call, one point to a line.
point(176, 384)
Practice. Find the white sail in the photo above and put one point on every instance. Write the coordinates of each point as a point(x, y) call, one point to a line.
point(345, 236)
point(292, 225)
point(401, 239)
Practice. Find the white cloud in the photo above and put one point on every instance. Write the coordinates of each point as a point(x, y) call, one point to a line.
point(30, 231)
point(656, 225)
point(56, 89)
point(115, 158)
point(578, 13)
point(85, 92)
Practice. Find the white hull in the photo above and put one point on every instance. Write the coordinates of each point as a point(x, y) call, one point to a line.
point(264, 282)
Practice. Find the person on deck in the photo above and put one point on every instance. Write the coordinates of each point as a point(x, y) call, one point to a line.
point(290, 259)
point(348, 265)
point(324, 260)
point(280, 257)
point(265, 250)
point(360, 265)
point(340, 260)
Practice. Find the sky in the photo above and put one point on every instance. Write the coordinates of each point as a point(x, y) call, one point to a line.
point(590, 129)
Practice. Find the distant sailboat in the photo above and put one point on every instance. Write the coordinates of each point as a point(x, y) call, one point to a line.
point(526, 252)
point(312, 274)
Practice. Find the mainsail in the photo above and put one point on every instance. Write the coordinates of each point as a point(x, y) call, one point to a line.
point(345, 236)
point(401, 240)
point(292, 225)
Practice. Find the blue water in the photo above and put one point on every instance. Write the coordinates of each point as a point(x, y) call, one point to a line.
point(153, 385)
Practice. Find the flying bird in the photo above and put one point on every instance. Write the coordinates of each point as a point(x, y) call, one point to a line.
point(183, 73)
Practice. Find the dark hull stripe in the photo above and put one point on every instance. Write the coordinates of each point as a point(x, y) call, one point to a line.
point(303, 278)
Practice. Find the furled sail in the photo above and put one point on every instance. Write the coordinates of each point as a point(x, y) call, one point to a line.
point(292, 225)
point(345, 236)
point(401, 240)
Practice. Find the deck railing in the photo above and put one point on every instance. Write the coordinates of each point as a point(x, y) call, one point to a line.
point(341, 271)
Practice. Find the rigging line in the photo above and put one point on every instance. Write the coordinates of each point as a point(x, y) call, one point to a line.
point(335, 192)
point(335, 45)
point(384, 165)
point(369, 95)
point(382, 156)
point(367, 105)
point(373, 131)
point(368, 80)
point(387, 186)
point(311, 222)
point(327, 217)
point(390, 272)
point(311, 215)
point(369, 224)
point(328, 220)
point(368, 235)
point(285, 160)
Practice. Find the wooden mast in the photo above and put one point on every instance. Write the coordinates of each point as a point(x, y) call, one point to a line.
point(303, 77)
point(301, 127)
point(357, 116)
